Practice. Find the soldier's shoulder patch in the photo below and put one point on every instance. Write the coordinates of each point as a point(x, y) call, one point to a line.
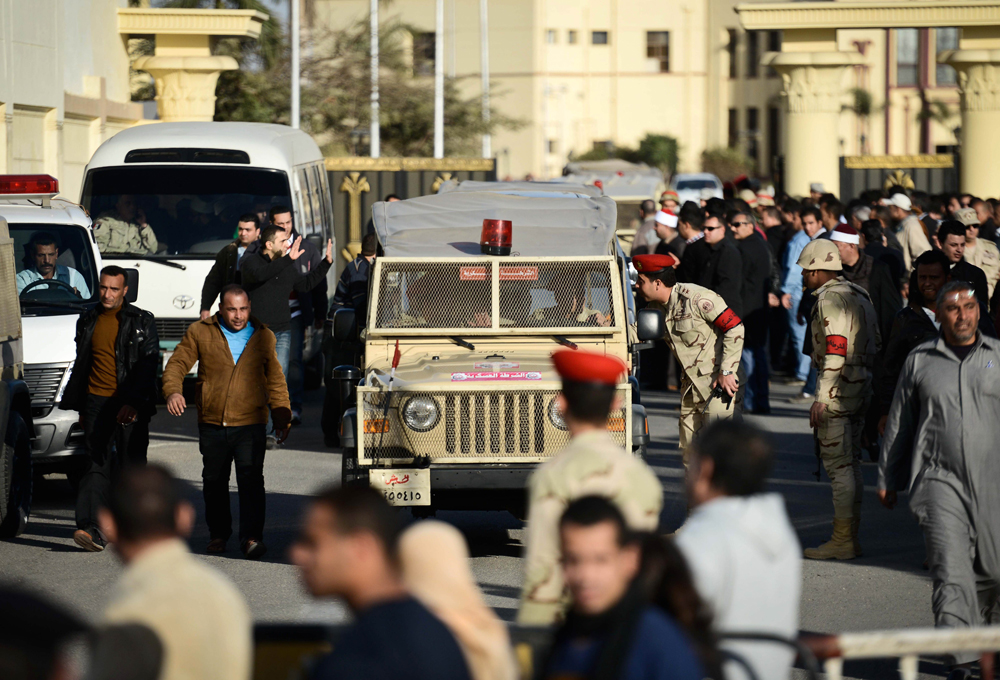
point(705, 305)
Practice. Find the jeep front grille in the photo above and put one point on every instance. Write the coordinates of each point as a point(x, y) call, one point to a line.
point(491, 426)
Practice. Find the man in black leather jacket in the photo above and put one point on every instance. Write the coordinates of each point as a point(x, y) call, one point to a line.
point(113, 386)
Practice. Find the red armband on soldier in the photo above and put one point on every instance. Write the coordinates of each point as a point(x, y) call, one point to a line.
point(837, 345)
point(727, 320)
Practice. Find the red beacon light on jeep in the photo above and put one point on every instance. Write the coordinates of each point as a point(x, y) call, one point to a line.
point(496, 237)
point(34, 185)
point(42, 187)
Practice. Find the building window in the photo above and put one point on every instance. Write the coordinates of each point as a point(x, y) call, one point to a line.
point(599, 38)
point(753, 132)
point(571, 37)
point(552, 146)
point(658, 50)
point(753, 54)
point(947, 39)
point(773, 129)
point(773, 45)
point(734, 128)
point(907, 56)
point(423, 54)
point(731, 49)
point(550, 36)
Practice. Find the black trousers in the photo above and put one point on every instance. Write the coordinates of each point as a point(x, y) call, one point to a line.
point(220, 447)
point(111, 446)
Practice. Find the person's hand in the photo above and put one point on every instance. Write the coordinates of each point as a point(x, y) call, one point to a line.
point(176, 404)
point(282, 435)
point(801, 319)
point(816, 414)
point(786, 301)
point(140, 217)
point(205, 314)
point(887, 498)
point(329, 250)
point(773, 300)
point(881, 425)
point(127, 415)
point(729, 383)
point(296, 251)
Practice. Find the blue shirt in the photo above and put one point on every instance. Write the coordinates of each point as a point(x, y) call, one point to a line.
point(237, 339)
point(392, 641)
point(793, 272)
point(660, 651)
point(64, 274)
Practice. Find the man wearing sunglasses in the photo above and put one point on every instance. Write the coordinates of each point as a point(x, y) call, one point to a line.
point(757, 284)
point(720, 266)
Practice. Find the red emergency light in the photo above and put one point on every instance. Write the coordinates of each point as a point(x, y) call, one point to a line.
point(496, 237)
point(33, 185)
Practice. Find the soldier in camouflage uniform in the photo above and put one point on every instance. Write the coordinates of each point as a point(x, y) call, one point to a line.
point(980, 251)
point(704, 334)
point(845, 339)
point(592, 464)
point(124, 230)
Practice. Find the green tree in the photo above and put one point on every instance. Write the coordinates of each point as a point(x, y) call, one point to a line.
point(658, 151)
point(726, 163)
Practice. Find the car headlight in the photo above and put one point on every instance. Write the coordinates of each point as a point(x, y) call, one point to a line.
point(421, 413)
point(555, 415)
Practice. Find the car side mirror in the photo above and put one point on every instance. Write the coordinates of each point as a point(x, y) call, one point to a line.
point(132, 281)
point(650, 324)
point(345, 325)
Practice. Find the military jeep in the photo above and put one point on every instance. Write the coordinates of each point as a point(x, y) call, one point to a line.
point(456, 404)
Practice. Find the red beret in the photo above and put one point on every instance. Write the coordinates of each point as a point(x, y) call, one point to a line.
point(650, 264)
point(580, 366)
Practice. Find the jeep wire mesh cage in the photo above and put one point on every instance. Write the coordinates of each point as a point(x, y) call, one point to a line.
point(509, 295)
point(488, 425)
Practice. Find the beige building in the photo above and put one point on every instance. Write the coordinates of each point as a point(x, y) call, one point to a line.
point(586, 72)
point(64, 86)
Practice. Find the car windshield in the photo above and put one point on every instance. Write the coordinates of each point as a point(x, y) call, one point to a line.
point(170, 211)
point(695, 184)
point(54, 264)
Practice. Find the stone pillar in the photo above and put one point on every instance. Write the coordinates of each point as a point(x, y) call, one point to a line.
point(185, 74)
point(979, 85)
point(813, 91)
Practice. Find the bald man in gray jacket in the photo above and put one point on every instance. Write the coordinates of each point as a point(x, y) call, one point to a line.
point(940, 442)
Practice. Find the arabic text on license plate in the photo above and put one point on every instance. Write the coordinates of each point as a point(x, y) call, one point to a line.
point(402, 487)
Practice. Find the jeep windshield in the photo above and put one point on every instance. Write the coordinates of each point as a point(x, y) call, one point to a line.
point(54, 265)
point(464, 297)
point(172, 211)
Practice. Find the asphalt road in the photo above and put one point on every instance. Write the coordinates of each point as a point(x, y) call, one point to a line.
point(886, 589)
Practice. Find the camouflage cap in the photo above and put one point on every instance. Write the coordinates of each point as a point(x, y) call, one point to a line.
point(967, 216)
point(821, 254)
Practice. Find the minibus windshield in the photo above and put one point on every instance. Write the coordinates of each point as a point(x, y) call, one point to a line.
point(177, 211)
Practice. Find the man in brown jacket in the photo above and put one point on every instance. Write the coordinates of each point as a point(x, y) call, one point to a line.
point(239, 376)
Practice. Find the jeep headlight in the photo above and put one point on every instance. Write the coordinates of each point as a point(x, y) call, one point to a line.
point(421, 413)
point(555, 414)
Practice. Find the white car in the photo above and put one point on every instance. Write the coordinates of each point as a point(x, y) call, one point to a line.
point(689, 186)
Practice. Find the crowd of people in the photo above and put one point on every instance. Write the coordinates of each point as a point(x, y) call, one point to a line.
point(882, 311)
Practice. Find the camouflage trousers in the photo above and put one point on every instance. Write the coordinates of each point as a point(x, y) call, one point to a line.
point(694, 416)
point(838, 437)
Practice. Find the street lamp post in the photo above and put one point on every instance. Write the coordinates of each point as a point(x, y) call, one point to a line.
point(375, 133)
point(484, 40)
point(439, 82)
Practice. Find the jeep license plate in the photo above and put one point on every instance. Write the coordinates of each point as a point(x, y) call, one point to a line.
point(402, 487)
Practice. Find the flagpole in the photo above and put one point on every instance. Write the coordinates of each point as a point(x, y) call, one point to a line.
point(295, 115)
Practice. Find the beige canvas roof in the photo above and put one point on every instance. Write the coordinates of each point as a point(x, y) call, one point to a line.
point(520, 187)
point(450, 224)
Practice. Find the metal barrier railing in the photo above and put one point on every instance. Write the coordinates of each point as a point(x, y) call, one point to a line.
point(908, 645)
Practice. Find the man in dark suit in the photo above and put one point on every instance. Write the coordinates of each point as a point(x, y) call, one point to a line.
point(756, 284)
point(713, 262)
